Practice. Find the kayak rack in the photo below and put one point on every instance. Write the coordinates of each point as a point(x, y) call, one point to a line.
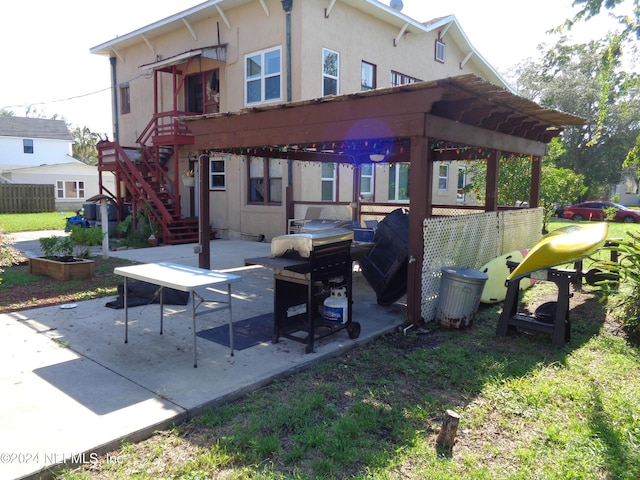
point(560, 328)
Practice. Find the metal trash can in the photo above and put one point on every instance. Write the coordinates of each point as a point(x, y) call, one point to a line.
point(459, 296)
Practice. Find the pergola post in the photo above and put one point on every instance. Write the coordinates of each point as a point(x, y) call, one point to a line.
point(420, 186)
point(536, 175)
point(493, 169)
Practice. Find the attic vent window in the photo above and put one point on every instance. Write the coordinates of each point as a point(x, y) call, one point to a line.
point(441, 50)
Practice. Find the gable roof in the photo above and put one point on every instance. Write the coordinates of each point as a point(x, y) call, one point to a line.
point(25, 127)
point(448, 25)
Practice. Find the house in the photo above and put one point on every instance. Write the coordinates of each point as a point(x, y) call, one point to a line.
point(225, 56)
point(277, 106)
point(38, 151)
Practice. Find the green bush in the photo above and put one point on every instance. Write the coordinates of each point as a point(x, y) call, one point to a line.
point(86, 236)
point(57, 247)
point(624, 286)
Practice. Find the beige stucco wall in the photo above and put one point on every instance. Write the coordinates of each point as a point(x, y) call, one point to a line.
point(348, 31)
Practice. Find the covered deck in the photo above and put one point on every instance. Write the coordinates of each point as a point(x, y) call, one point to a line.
point(458, 118)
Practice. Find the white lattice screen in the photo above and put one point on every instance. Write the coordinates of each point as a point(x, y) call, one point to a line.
point(471, 241)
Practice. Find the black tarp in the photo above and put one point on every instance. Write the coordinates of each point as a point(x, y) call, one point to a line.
point(144, 293)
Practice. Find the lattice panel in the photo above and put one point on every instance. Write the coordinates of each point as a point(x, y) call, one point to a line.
point(466, 240)
point(520, 229)
point(471, 241)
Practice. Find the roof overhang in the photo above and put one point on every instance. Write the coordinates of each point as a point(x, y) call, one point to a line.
point(215, 52)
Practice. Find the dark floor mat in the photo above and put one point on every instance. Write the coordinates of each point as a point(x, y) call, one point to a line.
point(246, 333)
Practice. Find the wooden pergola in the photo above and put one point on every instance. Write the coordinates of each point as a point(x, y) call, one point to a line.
point(415, 123)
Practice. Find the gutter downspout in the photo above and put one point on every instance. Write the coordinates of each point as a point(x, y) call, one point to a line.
point(114, 100)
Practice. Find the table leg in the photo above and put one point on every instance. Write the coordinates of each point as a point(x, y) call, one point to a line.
point(230, 318)
point(193, 324)
point(126, 313)
point(161, 309)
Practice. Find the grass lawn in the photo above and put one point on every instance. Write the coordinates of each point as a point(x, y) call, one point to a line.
point(529, 410)
point(28, 222)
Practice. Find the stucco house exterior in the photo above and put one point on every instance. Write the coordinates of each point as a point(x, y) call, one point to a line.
point(38, 151)
point(225, 56)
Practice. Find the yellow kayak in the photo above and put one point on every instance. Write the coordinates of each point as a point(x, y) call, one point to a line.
point(564, 245)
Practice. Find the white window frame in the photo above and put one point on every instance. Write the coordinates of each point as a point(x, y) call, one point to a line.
point(263, 76)
point(367, 175)
point(443, 177)
point(61, 190)
point(325, 74)
point(440, 51)
point(332, 180)
point(213, 174)
point(27, 146)
point(394, 169)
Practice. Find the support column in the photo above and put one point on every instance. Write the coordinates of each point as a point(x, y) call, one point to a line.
point(420, 191)
point(493, 169)
point(536, 175)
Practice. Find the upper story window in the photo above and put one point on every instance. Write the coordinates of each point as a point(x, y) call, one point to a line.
point(27, 145)
point(441, 50)
point(217, 173)
point(263, 76)
point(265, 181)
point(369, 80)
point(443, 177)
point(125, 99)
point(330, 72)
point(203, 92)
point(329, 182)
point(398, 78)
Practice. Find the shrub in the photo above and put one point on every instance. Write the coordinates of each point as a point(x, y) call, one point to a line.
point(57, 247)
point(86, 236)
point(624, 285)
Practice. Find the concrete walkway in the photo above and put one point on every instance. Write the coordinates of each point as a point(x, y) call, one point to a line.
point(72, 389)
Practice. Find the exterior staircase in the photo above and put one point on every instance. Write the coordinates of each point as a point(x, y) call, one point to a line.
point(143, 183)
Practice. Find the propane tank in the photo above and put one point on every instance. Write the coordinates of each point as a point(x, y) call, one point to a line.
point(335, 306)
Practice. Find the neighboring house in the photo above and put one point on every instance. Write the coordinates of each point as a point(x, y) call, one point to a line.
point(38, 151)
point(231, 55)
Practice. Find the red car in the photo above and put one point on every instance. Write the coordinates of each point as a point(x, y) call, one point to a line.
point(596, 210)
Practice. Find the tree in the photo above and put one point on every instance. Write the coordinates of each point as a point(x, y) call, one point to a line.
point(571, 78)
point(558, 186)
point(84, 145)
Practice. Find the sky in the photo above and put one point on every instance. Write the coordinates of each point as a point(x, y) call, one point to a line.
point(47, 67)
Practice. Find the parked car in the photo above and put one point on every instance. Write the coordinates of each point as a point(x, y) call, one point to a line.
point(596, 210)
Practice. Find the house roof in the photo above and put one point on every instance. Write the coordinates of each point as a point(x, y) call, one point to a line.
point(448, 25)
point(25, 127)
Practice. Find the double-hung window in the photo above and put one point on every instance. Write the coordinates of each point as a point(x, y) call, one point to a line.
point(366, 179)
point(217, 173)
point(265, 181)
point(443, 177)
point(27, 145)
point(263, 76)
point(330, 72)
point(329, 182)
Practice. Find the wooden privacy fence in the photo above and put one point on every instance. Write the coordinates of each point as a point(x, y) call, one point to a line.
point(26, 198)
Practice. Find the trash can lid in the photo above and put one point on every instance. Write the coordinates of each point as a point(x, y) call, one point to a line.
point(464, 272)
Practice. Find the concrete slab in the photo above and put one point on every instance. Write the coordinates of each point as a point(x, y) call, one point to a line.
point(71, 386)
